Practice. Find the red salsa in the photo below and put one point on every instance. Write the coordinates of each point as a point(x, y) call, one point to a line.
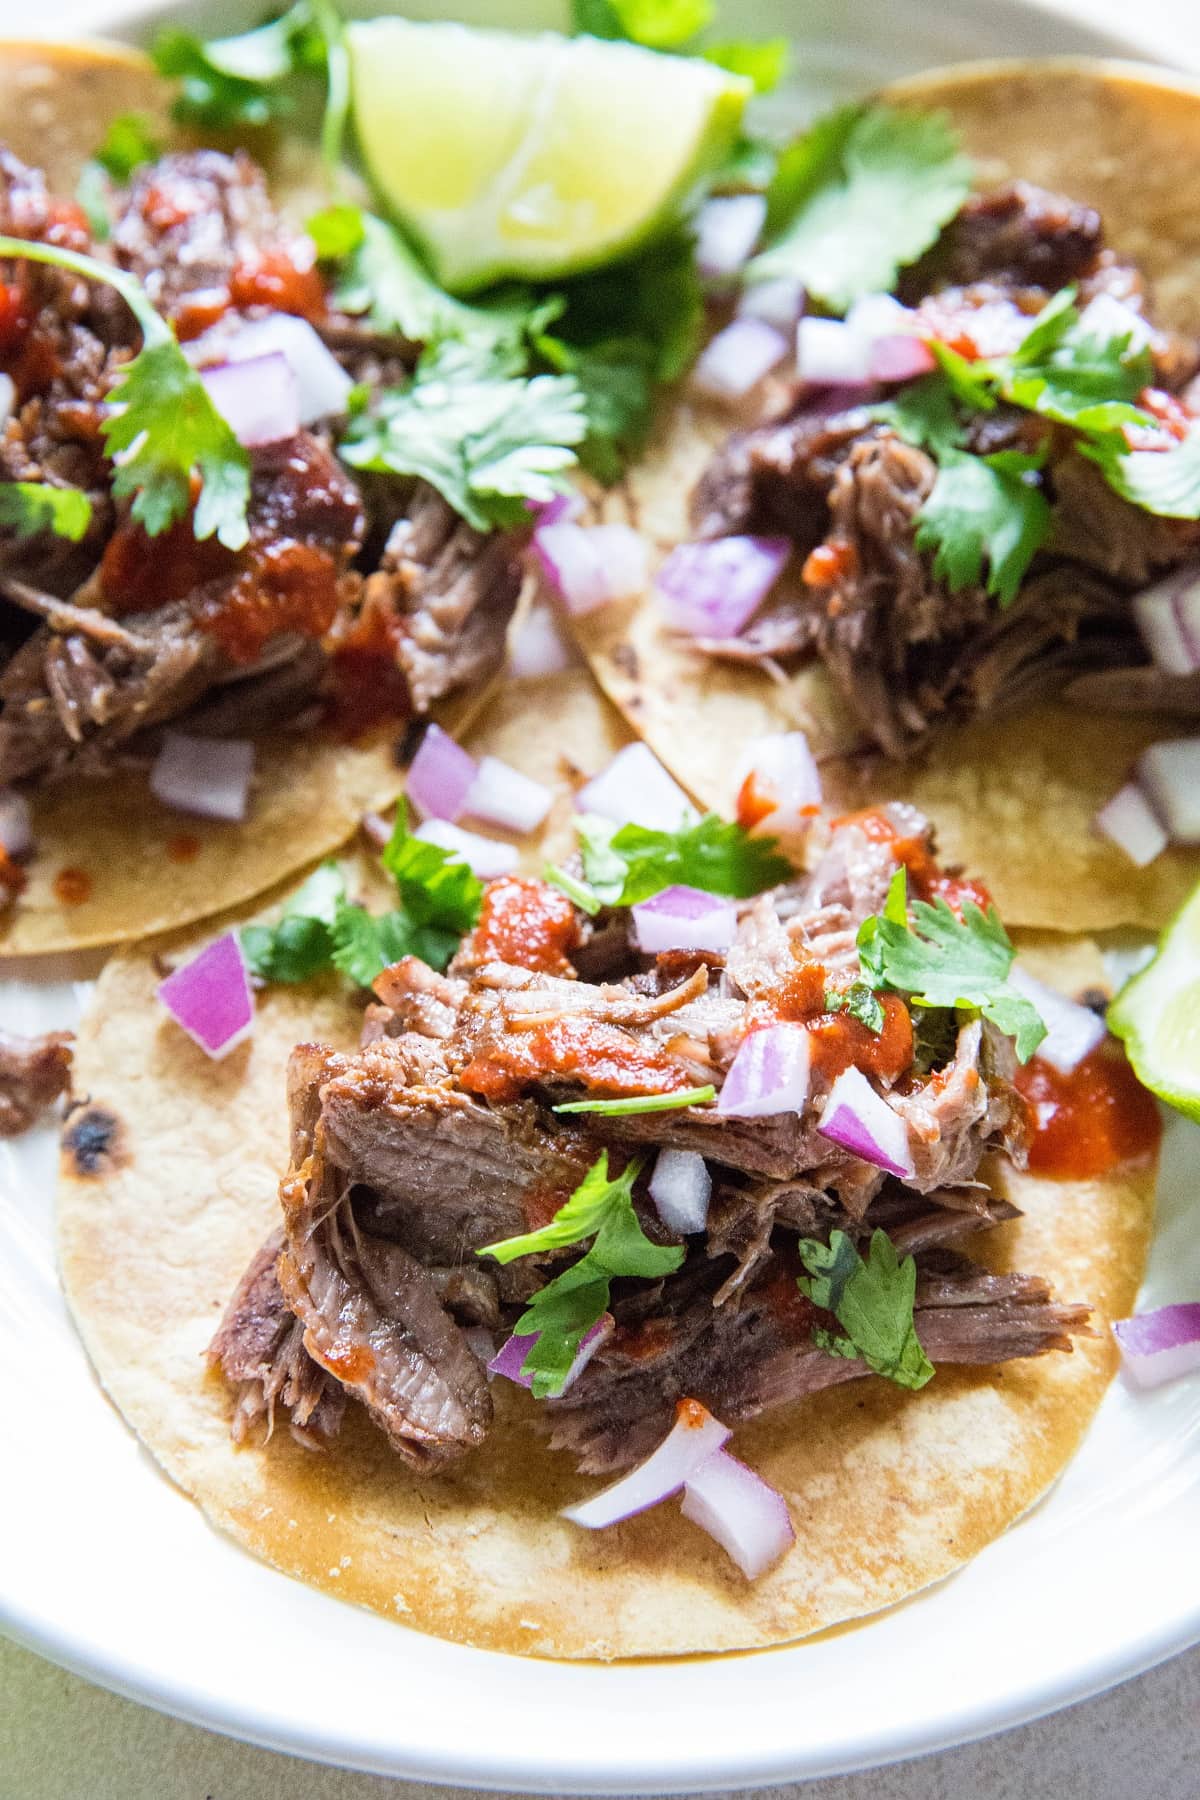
point(525, 922)
point(608, 1061)
point(1085, 1123)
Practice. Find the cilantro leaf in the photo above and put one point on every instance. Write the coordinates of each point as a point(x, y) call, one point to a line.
point(1064, 372)
point(576, 891)
point(129, 141)
point(488, 440)
point(564, 1310)
point(28, 507)
point(300, 944)
point(162, 420)
point(363, 943)
point(860, 1001)
point(942, 960)
point(982, 509)
point(1165, 482)
point(663, 24)
point(924, 413)
point(643, 1103)
point(763, 61)
point(436, 886)
point(872, 1301)
point(212, 93)
point(865, 193)
point(630, 863)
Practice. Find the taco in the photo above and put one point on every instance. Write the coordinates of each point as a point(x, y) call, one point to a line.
point(210, 643)
point(309, 1360)
point(982, 482)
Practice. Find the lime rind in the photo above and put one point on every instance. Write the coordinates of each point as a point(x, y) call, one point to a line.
point(533, 156)
point(1157, 1014)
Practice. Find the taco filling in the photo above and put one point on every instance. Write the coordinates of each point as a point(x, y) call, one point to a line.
point(317, 594)
point(968, 474)
point(781, 1152)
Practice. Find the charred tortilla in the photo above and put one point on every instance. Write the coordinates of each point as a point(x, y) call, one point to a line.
point(132, 865)
point(1129, 145)
point(169, 1186)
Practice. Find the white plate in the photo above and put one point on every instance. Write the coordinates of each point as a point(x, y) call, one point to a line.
point(105, 1567)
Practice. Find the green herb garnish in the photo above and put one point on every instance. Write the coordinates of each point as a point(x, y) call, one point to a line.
point(627, 863)
point(29, 507)
point(859, 1000)
point(872, 1301)
point(643, 1103)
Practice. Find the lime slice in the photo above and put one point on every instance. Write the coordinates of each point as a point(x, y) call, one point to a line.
point(1158, 1014)
point(532, 156)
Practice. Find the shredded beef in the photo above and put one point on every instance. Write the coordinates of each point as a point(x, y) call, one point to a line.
point(33, 1073)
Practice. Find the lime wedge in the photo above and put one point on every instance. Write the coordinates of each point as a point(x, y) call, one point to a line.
point(1157, 1013)
point(532, 156)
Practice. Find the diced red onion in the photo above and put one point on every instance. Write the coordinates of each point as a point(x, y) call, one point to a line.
point(694, 1437)
point(727, 229)
point(681, 1187)
point(1072, 1031)
point(1161, 1345)
point(684, 918)
point(747, 1517)
point(210, 997)
point(591, 565)
point(8, 398)
point(737, 358)
point(785, 772)
point(1132, 824)
point(1169, 773)
point(16, 824)
point(568, 505)
point(538, 647)
point(501, 795)
point(827, 351)
point(780, 302)
point(880, 315)
point(1168, 617)
point(770, 1074)
point(323, 386)
point(258, 399)
point(635, 789)
point(861, 1121)
point(441, 776)
point(712, 588)
point(510, 1358)
point(1106, 317)
point(206, 776)
point(485, 857)
point(900, 358)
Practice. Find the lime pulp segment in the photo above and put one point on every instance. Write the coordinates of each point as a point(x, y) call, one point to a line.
point(1157, 1014)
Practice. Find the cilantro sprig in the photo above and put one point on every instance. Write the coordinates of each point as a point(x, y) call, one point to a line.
point(30, 507)
point(942, 960)
point(161, 426)
point(321, 928)
point(860, 1001)
point(564, 1311)
point(871, 1300)
point(643, 1103)
point(865, 192)
point(627, 863)
point(677, 25)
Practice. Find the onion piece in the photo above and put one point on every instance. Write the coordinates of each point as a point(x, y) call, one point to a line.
point(259, 399)
point(778, 784)
point(738, 357)
point(1161, 1345)
point(322, 385)
point(694, 1437)
point(1072, 1031)
point(770, 1074)
point(485, 857)
point(1169, 774)
point(881, 315)
point(899, 357)
point(8, 398)
point(209, 777)
point(591, 565)
point(684, 918)
point(747, 1517)
point(861, 1121)
point(509, 1359)
point(567, 505)
point(1168, 617)
point(538, 647)
point(780, 302)
point(635, 789)
point(712, 588)
point(210, 997)
point(440, 776)
point(829, 352)
point(727, 229)
point(501, 795)
point(681, 1188)
point(16, 824)
point(1132, 824)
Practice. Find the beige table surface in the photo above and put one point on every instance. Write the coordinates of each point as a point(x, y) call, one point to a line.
point(61, 1739)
